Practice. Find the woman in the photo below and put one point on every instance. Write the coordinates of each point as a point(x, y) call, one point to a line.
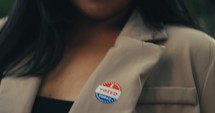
point(105, 56)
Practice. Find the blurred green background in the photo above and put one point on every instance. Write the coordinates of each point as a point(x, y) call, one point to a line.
point(203, 10)
point(5, 7)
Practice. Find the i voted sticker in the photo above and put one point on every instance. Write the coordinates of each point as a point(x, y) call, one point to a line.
point(108, 92)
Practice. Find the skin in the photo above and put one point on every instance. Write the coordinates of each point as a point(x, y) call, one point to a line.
point(95, 33)
point(101, 9)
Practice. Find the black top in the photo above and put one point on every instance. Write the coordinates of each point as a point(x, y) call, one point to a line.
point(49, 105)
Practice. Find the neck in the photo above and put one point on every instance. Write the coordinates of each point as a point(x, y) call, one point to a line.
point(93, 31)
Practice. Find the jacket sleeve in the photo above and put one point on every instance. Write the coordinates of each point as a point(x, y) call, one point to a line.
point(207, 99)
point(2, 22)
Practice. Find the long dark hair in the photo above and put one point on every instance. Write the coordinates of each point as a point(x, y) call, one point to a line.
point(32, 43)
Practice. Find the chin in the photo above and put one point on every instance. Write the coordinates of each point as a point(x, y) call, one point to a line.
point(101, 10)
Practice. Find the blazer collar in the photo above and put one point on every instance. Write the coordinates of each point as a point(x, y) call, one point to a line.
point(127, 64)
point(135, 28)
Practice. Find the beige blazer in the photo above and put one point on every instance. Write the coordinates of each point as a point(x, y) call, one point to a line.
point(155, 76)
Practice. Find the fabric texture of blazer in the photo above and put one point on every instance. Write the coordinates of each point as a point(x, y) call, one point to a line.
point(170, 71)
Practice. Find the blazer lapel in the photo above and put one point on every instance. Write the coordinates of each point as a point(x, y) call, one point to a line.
point(17, 94)
point(127, 65)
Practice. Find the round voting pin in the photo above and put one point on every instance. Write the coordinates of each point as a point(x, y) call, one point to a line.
point(108, 92)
